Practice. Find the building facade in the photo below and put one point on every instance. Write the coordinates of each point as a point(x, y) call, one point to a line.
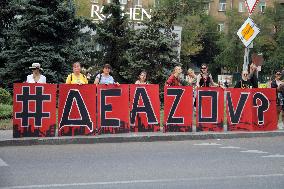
point(139, 10)
point(218, 8)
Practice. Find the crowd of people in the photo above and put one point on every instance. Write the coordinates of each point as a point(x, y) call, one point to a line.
point(203, 79)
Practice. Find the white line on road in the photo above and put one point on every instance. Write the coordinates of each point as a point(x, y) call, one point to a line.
point(255, 152)
point(230, 147)
point(208, 144)
point(274, 156)
point(3, 163)
point(143, 181)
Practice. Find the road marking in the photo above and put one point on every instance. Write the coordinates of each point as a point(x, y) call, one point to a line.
point(274, 156)
point(230, 147)
point(143, 181)
point(255, 152)
point(208, 144)
point(3, 163)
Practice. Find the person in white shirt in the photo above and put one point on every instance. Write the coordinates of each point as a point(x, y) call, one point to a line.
point(104, 77)
point(36, 76)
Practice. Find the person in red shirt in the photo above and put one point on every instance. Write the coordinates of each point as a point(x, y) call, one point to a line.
point(174, 79)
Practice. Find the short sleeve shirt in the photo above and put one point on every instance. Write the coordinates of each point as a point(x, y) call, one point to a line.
point(30, 79)
point(105, 79)
point(73, 79)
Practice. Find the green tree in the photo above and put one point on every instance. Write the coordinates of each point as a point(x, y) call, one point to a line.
point(199, 31)
point(270, 41)
point(152, 49)
point(113, 39)
point(47, 32)
point(8, 11)
point(231, 47)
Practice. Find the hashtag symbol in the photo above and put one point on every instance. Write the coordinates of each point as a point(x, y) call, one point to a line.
point(39, 98)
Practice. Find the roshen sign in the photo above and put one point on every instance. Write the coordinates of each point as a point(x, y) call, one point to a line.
point(134, 14)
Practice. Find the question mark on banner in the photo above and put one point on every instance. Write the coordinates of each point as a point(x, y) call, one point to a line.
point(262, 107)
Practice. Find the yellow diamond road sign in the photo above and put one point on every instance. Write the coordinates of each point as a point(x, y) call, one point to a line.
point(248, 32)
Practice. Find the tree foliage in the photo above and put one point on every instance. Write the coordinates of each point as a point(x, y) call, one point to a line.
point(113, 39)
point(270, 41)
point(46, 32)
point(151, 49)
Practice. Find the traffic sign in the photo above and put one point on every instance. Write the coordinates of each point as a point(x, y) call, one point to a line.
point(248, 32)
point(251, 4)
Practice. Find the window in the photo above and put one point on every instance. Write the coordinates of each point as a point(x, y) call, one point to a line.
point(262, 6)
point(123, 2)
point(241, 7)
point(138, 3)
point(207, 8)
point(221, 27)
point(109, 1)
point(94, 1)
point(222, 5)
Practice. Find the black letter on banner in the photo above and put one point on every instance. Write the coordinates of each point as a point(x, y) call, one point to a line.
point(147, 108)
point(260, 108)
point(39, 99)
point(178, 94)
point(214, 106)
point(85, 117)
point(236, 115)
point(108, 108)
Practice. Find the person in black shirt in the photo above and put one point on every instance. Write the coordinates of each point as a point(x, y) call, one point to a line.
point(244, 83)
point(204, 79)
point(253, 75)
point(279, 85)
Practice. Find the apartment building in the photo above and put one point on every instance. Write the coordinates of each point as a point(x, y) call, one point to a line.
point(218, 8)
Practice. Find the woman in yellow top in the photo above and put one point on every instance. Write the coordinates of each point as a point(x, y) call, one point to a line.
point(76, 77)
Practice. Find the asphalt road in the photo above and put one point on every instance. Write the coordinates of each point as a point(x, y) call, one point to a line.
point(254, 163)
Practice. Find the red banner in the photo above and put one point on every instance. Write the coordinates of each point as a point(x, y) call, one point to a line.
point(113, 108)
point(264, 110)
point(144, 108)
point(251, 109)
point(77, 110)
point(178, 109)
point(34, 110)
point(210, 109)
point(239, 109)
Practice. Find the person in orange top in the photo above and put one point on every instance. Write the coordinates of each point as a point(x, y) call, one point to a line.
point(76, 77)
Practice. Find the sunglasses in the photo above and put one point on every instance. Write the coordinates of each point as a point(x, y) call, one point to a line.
point(278, 73)
point(245, 74)
point(203, 68)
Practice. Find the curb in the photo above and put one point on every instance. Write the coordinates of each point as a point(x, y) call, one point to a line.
point(139, 137)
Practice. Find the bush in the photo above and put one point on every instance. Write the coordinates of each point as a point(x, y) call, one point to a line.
point(5, 97)
point(6, 111)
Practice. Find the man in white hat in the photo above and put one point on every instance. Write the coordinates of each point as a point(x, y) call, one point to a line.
point(36, 77)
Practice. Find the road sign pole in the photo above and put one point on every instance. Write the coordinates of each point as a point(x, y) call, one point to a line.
point(246, 57)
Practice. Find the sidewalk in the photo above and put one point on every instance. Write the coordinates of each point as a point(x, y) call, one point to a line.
point(6, 137)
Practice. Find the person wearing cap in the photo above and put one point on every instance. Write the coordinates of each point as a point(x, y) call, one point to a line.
point(104, 77)
point(36, 76)
point(279, 85)
point(76, 77)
